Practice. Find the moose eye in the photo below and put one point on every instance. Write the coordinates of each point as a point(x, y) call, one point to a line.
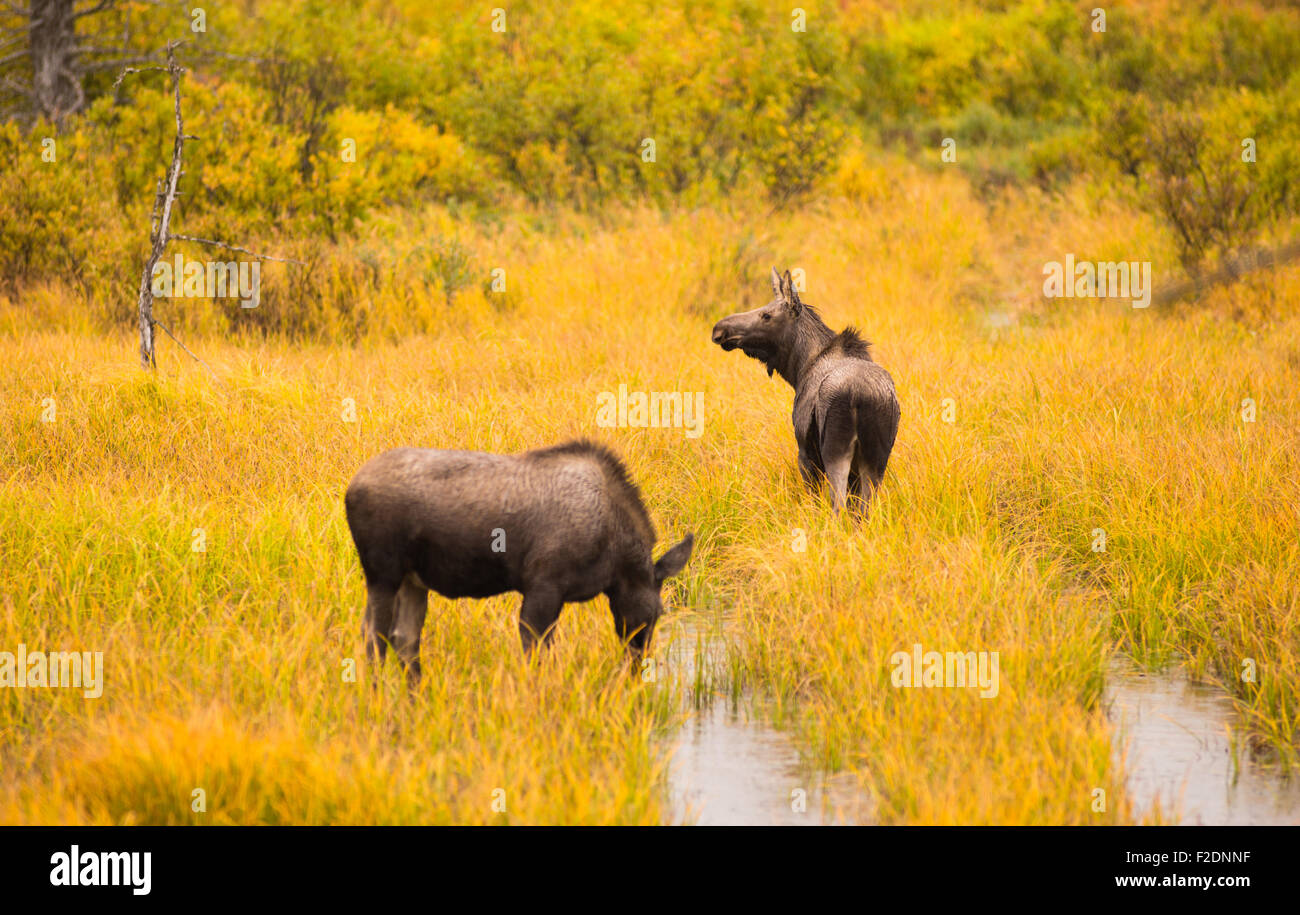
point(767, 316)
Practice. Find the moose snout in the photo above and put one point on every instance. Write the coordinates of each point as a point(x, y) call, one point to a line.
point(723, 335)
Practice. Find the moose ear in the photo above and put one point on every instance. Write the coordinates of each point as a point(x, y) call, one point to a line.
point(790, 294)
point(776, 283)
point(674, 560)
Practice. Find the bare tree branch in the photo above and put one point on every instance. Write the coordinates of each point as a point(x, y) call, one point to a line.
point(100, 7)
point(158, 323)
point(222, 244)
point(17, 89)
point(117, 82)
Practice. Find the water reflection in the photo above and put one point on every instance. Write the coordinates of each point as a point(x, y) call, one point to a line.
point(1181, 756)
point(728, 768)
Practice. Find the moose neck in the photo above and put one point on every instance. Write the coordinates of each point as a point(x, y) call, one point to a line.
point(809, 338)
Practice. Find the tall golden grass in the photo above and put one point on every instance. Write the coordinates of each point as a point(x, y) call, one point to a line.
point(224, 668)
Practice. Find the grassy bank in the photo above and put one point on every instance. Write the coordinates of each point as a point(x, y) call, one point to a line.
point(225, 667)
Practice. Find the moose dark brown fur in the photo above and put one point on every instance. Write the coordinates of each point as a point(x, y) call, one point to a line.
point(559, 525)
point(845, 409)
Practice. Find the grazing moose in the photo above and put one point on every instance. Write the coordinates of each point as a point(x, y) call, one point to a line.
point(845, 410)
point(559, 524)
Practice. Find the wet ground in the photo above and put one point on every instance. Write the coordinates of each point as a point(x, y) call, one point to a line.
point(730, 768)
point(1176, 738)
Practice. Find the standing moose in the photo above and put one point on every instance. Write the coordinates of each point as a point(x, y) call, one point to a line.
point(559, 524)
point(845, 410)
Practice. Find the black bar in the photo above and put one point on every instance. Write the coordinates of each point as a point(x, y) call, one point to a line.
point(330, 865)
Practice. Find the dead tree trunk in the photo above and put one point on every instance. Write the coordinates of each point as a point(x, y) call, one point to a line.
point(160, 232)
point(160, 226)
point(52, 47)
point(46, 56)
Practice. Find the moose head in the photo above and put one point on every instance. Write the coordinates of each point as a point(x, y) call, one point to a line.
point(765, 333)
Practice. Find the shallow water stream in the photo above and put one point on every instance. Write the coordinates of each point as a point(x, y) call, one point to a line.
point(728, 767)
point(1178, 736)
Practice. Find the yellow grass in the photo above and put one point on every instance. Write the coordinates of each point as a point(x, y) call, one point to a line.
point(224, 668)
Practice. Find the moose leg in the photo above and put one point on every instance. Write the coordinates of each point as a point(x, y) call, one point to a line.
point(867, 483)
point(839, 440)
point(412, 605)
point(807, 470)
point(537, 616)
point(837, 474)
point(378, 624)
point(874, 445)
